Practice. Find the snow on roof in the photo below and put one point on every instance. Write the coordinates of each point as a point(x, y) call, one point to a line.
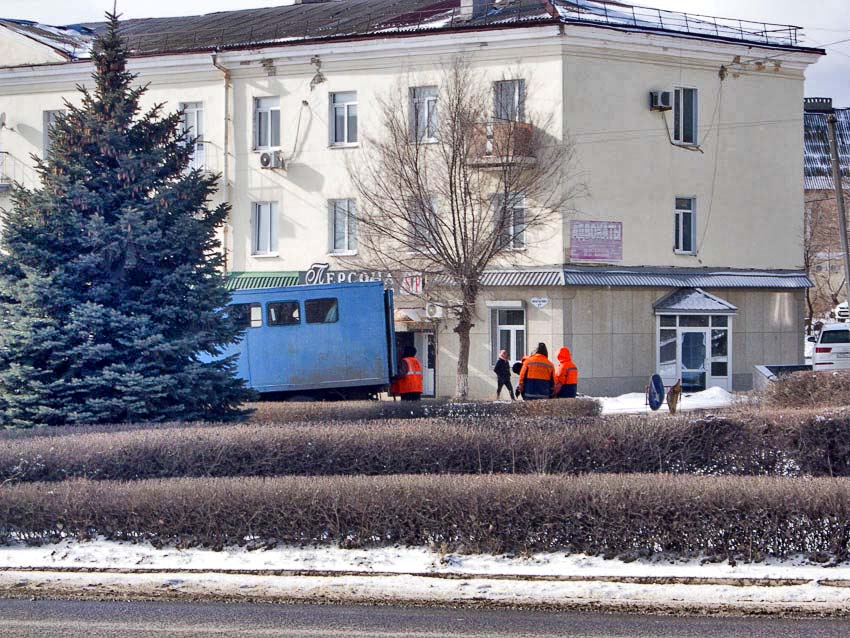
point(817, 160)
point(74, 41)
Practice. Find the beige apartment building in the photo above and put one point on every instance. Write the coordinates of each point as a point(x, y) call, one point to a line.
point(683, 256)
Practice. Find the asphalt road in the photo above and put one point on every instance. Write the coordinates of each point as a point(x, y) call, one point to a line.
point(69, 619)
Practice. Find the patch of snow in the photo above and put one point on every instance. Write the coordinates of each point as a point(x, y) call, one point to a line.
point(635, 402)
point(407, 574)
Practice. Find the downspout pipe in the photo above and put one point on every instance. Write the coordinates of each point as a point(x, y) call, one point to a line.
point(225, 171)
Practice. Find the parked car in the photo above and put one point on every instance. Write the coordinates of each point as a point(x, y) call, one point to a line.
point(841, 311)
point(831, 347)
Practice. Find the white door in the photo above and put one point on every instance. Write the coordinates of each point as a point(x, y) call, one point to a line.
point(425, 345)
point(694, 359)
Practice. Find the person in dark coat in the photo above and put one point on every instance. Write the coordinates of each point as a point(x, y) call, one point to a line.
point(503, 375)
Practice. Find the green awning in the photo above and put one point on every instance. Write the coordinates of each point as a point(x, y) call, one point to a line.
point(255, 280)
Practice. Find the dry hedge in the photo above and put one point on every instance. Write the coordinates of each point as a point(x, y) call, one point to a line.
point(809, 390)
point(749, 518)
point(741, 443)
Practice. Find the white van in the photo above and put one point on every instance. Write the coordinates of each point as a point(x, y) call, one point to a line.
point(832, 347)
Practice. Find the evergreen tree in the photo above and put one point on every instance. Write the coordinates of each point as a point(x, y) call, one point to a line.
point(110, 273)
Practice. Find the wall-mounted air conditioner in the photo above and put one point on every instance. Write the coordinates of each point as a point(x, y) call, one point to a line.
point(272, 159)
point(660, 101)
point(433, 311)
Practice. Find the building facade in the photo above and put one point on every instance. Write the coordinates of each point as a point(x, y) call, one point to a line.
point(684, 255)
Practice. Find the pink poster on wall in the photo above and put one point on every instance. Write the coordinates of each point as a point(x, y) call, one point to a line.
point(596, 241)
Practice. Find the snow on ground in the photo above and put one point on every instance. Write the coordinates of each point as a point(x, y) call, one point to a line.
point(412, 574)
point(635, 402)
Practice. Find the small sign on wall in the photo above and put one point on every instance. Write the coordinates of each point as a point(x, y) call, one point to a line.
point(596, 241)
point(539, 302)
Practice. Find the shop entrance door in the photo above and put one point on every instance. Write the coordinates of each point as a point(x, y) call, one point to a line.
point(693, 349)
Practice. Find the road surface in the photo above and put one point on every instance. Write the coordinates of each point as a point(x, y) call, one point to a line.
point(71, 619)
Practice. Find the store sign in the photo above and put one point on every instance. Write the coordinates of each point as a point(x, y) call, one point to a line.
point(540, 302)
point(321, 273)
point(596, 241)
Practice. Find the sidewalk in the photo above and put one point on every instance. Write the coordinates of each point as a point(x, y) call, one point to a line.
point(102, 569)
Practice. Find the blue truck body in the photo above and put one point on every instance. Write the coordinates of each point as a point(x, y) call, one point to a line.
point(334, 341)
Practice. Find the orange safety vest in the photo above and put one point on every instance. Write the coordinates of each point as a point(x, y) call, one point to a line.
point(567, 371)
point(412, 381)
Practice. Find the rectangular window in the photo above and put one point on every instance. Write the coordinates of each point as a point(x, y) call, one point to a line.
point(684, 240)
point(247, 315)
point(423, 113)
point(266, 122)
point(510, 219)
point(264, 228)
point(344, 118)
point(343, 226)
point(508, 332)
point(48, 120)
point(509, 100)
point(321, 310)
point(192, 124)
point(685, 116)
point(424, 221)
point(283, 313)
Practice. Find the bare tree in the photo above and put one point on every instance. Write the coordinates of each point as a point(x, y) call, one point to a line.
point(457, 178)
point(822, 256)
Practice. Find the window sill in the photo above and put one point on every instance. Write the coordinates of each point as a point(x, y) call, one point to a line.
point(344, 145)
point(685, 253)
point(686, 144)
point(265, 255)
point(266, 149)
point(342, 253)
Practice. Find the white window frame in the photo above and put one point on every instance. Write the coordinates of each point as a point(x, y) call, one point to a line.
point(264, 224)
point(710, 380)
point(423, 101)
point(342, 211)
point(517, 205)
point(496, 329)
point(678, 227)
point(48, 118)
point(679, 133)
point(347, 101)
point(266, 108)
point(192, 123)
point(517, 105)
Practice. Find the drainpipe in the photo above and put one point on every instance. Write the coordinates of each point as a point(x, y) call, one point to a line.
point(225, 171)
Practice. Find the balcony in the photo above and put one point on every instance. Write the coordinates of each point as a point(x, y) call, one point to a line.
point(501, 143)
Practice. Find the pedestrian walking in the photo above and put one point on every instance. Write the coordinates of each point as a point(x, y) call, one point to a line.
point(537, 377)
point(503, 375)
point(566, 378)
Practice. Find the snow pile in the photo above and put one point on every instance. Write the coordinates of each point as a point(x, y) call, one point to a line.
point(635, 402)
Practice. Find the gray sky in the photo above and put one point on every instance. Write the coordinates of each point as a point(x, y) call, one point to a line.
point(825, 22)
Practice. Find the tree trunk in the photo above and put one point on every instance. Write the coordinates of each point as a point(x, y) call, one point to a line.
point(463, 327)
point(811, 312)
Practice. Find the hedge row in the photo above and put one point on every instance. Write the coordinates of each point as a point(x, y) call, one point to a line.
point(749, 518)
point(809, 389)
point(752, 443)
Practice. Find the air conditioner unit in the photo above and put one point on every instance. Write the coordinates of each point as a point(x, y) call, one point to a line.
point(433, 311)
point(272, 159)
point(660, 101)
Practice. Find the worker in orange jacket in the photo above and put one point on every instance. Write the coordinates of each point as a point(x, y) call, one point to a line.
point(408, 382)
point(566, 378)
point(537, 377)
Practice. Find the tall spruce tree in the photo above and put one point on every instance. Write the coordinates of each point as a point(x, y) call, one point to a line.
point(110, 273)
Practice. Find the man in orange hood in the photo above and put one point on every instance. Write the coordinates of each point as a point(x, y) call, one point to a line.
point(566, 378)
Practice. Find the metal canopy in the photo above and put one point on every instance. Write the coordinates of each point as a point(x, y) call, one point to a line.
point(255, 280)
point(692, 301)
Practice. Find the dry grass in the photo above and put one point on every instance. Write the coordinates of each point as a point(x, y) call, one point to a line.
point(809, 389)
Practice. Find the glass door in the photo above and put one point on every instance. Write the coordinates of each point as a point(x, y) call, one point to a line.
point(693, 348)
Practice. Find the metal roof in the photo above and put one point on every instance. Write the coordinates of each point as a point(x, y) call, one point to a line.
point(523, 278)
point(347, 19)
point(669, 277)
point(692, 301)
point(255, 280)
point(73, 41)
point(817, 161)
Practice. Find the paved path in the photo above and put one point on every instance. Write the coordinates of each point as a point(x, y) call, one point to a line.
point(71, 619)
